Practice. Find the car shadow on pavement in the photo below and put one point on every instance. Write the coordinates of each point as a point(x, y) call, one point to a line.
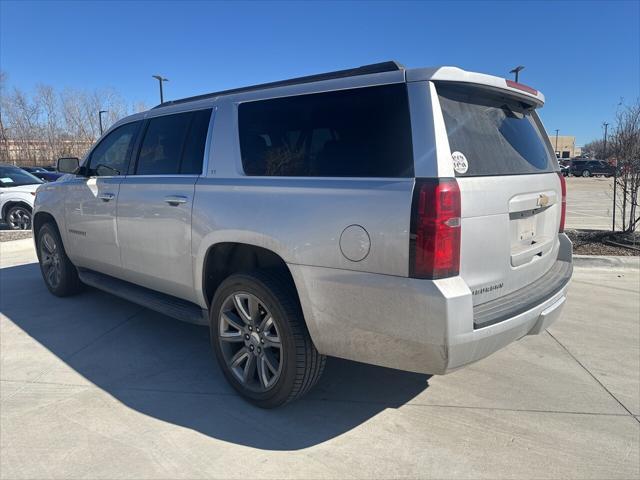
point(164, 368)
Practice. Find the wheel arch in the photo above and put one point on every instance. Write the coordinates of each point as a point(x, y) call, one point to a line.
point(226, 258)
point(13, 203)
point(40, 218)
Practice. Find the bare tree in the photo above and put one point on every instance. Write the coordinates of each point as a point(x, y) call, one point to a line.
point(21, 115)
point(4, 141)
point(50, 122)
point(624, 145)
point(595, 150)
point(41, 127)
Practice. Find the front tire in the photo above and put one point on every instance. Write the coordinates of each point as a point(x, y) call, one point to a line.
point(19, 218)
point(59, 274)
point(260, 339)
point(586, 173)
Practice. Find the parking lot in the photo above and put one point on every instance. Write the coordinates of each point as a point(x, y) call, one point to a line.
point(96, 387)
point(590, 203)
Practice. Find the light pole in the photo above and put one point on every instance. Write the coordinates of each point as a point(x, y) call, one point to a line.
point(100, 119)
point(160, 79)
point(557, 130)
point(517, 70)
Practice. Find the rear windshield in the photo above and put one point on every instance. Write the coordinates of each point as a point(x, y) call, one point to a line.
point(492, 134)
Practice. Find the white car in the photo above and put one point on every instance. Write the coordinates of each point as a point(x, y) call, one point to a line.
point(17, 194)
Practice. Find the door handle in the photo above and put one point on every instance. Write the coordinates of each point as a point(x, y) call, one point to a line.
point(105, 197)
point(175, 200)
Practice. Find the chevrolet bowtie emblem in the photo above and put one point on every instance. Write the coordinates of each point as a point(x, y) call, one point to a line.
point(543, 200)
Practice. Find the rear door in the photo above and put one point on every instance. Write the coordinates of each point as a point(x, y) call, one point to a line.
point(510, 190)
point(155, 203)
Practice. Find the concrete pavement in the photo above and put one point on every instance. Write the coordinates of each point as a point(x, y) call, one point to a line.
point(590, 203)
point(96, 387)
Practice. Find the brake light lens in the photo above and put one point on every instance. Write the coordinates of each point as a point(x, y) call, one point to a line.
point(520, 86)
point(435, 229)
point(563, 211)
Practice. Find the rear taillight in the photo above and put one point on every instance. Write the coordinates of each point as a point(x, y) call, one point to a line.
point(435, 229)
point(563, 211)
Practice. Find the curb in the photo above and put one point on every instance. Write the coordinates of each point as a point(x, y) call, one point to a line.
point(606, 261)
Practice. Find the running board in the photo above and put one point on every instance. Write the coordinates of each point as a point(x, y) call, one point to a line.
point(151, 299)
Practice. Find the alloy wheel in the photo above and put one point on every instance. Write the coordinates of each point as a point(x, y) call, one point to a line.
point(50, 259)
point(19, 219)
point(250, 341)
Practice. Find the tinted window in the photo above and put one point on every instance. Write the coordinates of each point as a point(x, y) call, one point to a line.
point(111, 156)
point(351, 133)
point(194, 149)
point(162, 145)
point(496, 133)
point(174, 144)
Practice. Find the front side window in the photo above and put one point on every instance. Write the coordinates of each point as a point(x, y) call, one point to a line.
point(174, 144)
point(111, 156)
point(364, 132)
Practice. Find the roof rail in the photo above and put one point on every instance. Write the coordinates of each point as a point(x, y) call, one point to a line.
point(390, 66)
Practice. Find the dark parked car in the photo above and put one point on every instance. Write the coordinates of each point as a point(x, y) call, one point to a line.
point(43, 174)
point(565, 170)
point(587, 168)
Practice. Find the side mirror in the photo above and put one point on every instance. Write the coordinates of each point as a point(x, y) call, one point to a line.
point(68, 164)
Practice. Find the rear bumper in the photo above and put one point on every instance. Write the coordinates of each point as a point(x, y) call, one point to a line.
point(417, 325)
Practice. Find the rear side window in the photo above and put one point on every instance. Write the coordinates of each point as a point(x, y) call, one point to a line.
point(174, 144)
point(362, 132)
point(496, 133)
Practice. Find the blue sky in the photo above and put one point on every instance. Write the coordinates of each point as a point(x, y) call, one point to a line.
point(583, 55)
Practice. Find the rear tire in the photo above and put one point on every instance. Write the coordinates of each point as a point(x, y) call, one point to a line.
point(586, 173)
point(59, 274)
point(268, 362)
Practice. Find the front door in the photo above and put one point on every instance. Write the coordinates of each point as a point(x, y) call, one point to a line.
point(155, 201)
point(91, 202)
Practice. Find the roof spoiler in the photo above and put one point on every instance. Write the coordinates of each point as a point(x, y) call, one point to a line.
point(454, 74)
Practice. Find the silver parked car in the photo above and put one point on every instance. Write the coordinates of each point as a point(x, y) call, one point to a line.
point(409, 218)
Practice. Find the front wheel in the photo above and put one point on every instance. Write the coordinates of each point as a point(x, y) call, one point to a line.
point(586, 173)
point(260, 339)
point(19, 218)
point(59, 274)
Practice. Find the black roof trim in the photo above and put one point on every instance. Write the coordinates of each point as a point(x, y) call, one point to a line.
point(390, 66)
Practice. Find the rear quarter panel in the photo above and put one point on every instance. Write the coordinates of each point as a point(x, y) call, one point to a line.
point(302, 219)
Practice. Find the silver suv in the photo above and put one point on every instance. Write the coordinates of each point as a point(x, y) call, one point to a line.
point(409, 218)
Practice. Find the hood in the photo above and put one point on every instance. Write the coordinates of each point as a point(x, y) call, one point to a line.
point(23, 188)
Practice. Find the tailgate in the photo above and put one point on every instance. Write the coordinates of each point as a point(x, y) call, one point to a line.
point(509, 239)
point(511, 198)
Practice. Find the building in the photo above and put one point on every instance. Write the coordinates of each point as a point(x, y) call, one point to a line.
point(565, 146)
